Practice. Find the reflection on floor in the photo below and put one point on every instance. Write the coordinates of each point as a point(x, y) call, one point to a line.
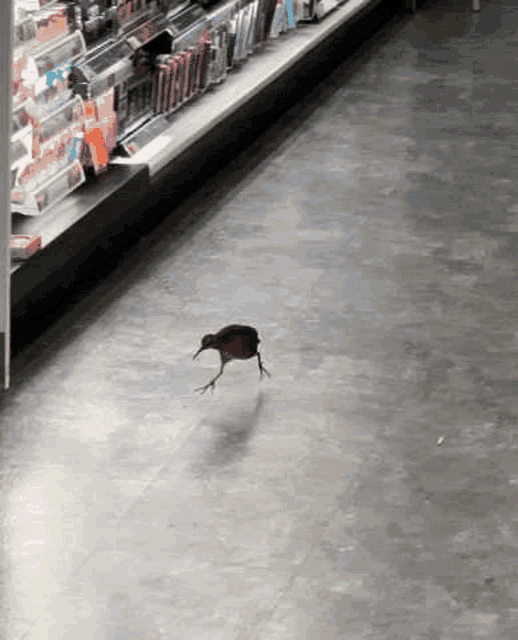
point(375, 250)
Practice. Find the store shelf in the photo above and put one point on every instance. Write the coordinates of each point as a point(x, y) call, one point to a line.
point(188, 126)
point(92, 216)
point(201, 138)
point(91, 206)
point(193, 144)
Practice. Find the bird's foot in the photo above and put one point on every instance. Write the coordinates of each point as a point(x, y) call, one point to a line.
point(263, 370)
point(203, 389)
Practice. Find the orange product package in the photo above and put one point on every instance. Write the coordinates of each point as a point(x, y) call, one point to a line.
point(94, 138)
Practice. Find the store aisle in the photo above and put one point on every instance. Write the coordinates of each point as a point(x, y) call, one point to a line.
point(375, 250)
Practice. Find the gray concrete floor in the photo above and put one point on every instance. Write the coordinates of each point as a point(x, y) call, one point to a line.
point(375, 249)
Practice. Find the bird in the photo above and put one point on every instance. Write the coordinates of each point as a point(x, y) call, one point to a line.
point(234, 342)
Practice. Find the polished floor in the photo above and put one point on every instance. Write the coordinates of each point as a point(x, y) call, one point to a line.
point(368, 490)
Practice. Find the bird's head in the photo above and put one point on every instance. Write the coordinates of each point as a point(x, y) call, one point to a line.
point(206, 343)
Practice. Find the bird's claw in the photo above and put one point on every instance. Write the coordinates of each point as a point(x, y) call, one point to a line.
point(203, 389)
point(263, 370)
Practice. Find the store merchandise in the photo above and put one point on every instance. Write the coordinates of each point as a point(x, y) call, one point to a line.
point(145, 32)
point(280, 19)
point(178, 80)
point(295, 12)
point(204, 51)
point(58, 187)
point(54, 146)
point(161, 80)
point(97, 20)
point(24, 246)
point(144, 136)
point(107, 118)
point(190, 58)
point(54, 61)
point(183, 76)
point(111, 67)
point(240, 54)
point(195, 69)
point(51, 23)
point(326, 6)
point(267, 14)
point(171, 89)
point(318, 9)
point(94, 152)
point(21, 153)
point(250, 29)
point(41, 129)
point(132, 12)
point(24, 32)
point(168, 95)
point(232, 37)
point(49, 193)
point(187, 27)
point(92, 78)
point(217, 67)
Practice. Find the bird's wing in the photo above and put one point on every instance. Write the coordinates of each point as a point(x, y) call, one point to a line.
point(233, 331)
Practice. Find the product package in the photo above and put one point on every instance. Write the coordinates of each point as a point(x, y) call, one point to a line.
point(144, 33)
point(24, 246)
point(171, 92)
point(232, 39)
point(324, 7)
point(222, 41)
point(51, 23)
point(109, 68)
point(187, 57)
point(144, 136)
point(251, 36)
point(162, 79)
point(139, 103)
point(52, 140)
point(217, 66)
point(204, 50)
point(280, 19)
point(317, 9)
point(35, 203)
point(21, 155)
point(24, 33)
point(132, 12)
point(187, 27)
point(20, 117)
point(55, 61)
point(239, 55)
point(107, 118)
point(244, 37)
point(96, 19)
point(24, 78)
point(95, 153)
point(59, 186)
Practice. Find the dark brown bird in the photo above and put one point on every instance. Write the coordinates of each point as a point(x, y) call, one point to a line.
point(235, 342)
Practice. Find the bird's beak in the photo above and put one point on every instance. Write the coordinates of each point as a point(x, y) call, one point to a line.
point(198, 353)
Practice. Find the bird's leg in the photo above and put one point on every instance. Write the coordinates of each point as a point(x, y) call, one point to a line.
point(262, 369)
point(213, 381)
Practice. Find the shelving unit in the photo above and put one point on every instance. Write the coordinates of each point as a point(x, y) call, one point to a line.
point(5, 201)
point(192, 143)
point(185, 128)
